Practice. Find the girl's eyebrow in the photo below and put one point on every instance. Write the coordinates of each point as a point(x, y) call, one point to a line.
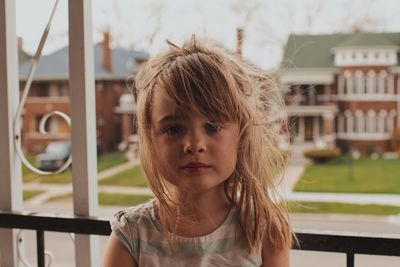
point(170, 117)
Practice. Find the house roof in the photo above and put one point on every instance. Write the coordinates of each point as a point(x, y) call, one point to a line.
point(368, 40)
point(56, 65)
point(315, 51)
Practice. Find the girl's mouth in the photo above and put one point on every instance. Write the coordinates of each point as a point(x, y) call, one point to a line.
point(194, 167)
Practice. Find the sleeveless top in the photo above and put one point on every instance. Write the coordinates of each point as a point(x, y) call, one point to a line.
point(140, 232)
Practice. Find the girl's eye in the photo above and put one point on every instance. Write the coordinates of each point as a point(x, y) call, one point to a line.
point(213, 127)
point(174, 130)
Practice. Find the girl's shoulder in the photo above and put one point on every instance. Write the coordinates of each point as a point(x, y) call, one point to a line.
point(128, 226)
point(136, 216)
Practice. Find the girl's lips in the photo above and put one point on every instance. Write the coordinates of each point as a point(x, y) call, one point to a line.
point(195, 165)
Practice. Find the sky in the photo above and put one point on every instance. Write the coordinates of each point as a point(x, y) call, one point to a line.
point(146, 24)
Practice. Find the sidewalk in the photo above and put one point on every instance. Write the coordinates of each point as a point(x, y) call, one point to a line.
point(52, 190)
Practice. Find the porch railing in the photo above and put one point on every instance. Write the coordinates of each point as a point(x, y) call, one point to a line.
point(341, 242)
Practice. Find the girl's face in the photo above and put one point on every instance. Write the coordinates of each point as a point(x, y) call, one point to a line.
point(193, 153)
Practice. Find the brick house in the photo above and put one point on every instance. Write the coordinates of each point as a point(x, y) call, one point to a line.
point(50, 92)
point(343, 89)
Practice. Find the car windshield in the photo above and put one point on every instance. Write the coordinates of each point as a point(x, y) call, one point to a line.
point(57, 148)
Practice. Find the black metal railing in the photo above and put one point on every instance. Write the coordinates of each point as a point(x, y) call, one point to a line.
point(341, 242)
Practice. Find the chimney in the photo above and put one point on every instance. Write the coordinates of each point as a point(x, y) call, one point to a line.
point(20, 42)
point(239, 41)
point(107, 57)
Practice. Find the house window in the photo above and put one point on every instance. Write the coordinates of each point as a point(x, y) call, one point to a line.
point(371, 82)
point(375, 128)
point(348, 121)
point(370, 121)
point(387, 124)
point(366, 84)
point(382, 83)
point(382, 119)
point(389, 84)
point(64, 89)
point(355, 124)
point(349, 85)
point(42, 90)
point(359, 83)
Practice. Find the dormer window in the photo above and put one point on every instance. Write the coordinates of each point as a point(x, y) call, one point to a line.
point(365, 56)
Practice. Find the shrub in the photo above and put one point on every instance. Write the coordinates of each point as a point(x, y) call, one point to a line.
point(322, 155)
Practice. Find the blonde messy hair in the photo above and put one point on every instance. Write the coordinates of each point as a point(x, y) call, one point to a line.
point(218, 84)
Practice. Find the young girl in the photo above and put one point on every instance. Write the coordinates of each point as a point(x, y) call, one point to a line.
point(209, 125)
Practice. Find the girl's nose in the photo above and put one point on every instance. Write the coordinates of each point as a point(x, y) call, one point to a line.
point(194, 144)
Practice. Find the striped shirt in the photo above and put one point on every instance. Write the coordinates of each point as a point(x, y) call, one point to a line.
point(141, 233)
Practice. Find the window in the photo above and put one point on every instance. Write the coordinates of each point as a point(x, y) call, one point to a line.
point(372, 82)
point(366, 84)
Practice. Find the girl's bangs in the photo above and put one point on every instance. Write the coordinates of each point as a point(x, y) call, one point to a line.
point(197, 84)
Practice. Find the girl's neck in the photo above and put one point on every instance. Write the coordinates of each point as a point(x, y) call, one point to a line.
point(201, 213)
point(203, 205)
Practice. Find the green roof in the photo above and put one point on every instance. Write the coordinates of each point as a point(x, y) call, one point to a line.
point(369, 39)
point(315, 51)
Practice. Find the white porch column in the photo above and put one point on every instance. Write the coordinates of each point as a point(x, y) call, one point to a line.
point(10, 165)
point(301, 129)
point(328, 119)
point(83, 117)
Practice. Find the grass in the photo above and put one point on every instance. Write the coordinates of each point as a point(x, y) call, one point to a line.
point(105, 161)
point(131, 177)
point(28, 194)
point(122, 199)
point(343, 208)
point(107, 199)
point(109, 160)
point(365, 176)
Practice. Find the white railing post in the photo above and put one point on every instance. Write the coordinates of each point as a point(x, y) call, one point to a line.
point(10, 165)
point(83, 118)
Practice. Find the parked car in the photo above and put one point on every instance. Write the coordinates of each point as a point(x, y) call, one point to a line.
point(54, 156)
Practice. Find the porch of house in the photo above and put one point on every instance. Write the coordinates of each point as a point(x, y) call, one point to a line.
point(85, 222)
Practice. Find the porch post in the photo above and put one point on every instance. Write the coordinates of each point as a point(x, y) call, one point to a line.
point(10, 165)
point(301, 128)
point(83, 118)
point(328, 119)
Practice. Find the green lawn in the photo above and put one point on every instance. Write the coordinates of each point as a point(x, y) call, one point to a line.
point(31, 193)
point(107, 199)
point(122, 199)
point(108, 160)
point(365, 176)
point(105, 161)
point(342, 208)
point(131, 177)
